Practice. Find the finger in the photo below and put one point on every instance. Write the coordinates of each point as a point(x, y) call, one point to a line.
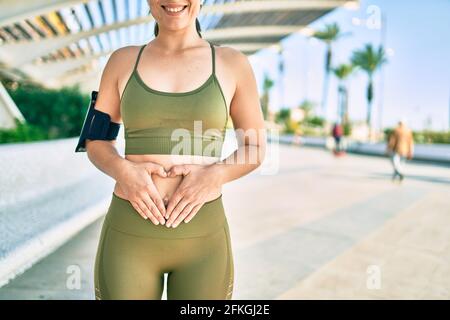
point(155, 197)
point(138, 209)
point(178, 170)
point(173, 202)
point(156, 168)
point(183, 214)
point(180, 206)
point(153, 209)
point(161, 172)
point(194, 211)
point(149, 214)
point(157, 200)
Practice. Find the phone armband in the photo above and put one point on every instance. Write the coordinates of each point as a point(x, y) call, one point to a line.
point(97, 126)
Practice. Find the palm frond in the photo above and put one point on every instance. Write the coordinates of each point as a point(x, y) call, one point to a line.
point(369, 59)
point(343, 71)
point(268, 82)
point(330, 33)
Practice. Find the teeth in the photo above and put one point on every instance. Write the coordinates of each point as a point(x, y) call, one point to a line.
point(174, 9)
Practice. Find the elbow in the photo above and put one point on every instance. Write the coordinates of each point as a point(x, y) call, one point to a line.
point(96, 146)
point(89, 149)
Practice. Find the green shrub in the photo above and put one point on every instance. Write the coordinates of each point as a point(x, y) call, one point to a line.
point(425, 136)
point(314, 121)
point(49, 113)
point(22, 133)
point(290, 126)
point(347, 129)
point(387, 133)
point(283, 115)
point(312, 131)
point(432, 137)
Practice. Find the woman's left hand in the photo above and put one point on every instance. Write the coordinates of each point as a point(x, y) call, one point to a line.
point(198, 184)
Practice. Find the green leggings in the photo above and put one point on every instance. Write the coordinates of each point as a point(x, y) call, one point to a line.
point(133, 255)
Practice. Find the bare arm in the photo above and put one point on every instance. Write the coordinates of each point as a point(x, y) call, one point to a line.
point(103, 154)
point(248, 122)
point(134, 178)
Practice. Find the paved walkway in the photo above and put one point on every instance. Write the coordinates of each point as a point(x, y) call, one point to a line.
point(322, 227)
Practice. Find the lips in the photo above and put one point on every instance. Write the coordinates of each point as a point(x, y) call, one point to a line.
point(174, 9)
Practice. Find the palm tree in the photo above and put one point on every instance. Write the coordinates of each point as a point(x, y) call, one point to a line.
point(370, 60)
point(342, 72)
point(267, 85)
point(307, 107)
point(331, 33)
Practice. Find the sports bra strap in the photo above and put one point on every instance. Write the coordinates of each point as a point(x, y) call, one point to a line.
point(213, 58)
point(213, 53)
point(139, 56)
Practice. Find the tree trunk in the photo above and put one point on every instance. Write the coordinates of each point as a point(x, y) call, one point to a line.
point(369, 108)
point(346, 117)
point(341, 101)
point(344, 106)
point(265, 105)
point(326, 79)
point(369, 102)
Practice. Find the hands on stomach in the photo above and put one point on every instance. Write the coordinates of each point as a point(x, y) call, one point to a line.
point(166, 191)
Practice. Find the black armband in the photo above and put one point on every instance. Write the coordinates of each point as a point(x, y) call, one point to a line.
point(97, 126)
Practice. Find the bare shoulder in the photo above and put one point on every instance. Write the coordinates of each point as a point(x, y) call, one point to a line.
point(119, 67)
point(126, 51)
point(234, 59)
point(122, 58)
point(245, 98)
point(237, 67)
point(119, 63)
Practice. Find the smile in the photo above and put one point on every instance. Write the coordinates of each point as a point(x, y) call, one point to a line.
point(174, 11)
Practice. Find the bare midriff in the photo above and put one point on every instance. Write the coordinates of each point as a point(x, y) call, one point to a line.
point(168, 186)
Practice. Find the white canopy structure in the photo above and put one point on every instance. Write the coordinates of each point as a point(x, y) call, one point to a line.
point(63, 42)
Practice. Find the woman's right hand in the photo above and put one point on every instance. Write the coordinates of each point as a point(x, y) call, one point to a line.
point(136, 183)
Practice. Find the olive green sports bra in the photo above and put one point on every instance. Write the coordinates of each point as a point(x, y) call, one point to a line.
point(178, 123)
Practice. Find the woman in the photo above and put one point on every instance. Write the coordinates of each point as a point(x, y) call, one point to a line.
point(166, 214)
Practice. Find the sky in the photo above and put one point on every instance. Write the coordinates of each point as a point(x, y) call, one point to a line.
point(414, 85)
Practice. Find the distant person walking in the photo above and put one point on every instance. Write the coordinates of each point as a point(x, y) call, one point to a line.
point(337, 133)
point(400, 146)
